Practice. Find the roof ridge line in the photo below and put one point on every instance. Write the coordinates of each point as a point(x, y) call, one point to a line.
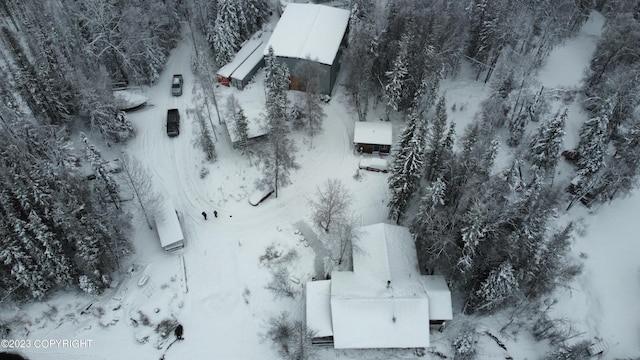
point(306, 36)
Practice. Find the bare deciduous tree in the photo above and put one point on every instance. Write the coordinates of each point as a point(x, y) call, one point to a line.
point(341, 238)
point(331, 203)
point(281, 284)
point(142, 185)
point(292, 337)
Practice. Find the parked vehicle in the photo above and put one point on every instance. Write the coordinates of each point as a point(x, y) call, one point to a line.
point(260, 195)
point(374, 164)
point(176, 85)
point(169, 228)
point(173, 122)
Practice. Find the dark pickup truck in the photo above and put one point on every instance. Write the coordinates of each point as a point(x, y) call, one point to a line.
point(173, 122)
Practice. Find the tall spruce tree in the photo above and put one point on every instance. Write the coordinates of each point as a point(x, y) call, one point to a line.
point(310, 73)
point(395, 92)
point(279, 158)
point(501, 284)
point(592, 147)
point(436, 141)
point(407, 168)
point(242, 128)
point(474, 228)
point(429, 229)
point(359, 55)
point(544, 148)
point(226, 36)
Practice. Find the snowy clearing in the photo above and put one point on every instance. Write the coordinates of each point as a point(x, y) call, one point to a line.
point(216, 286)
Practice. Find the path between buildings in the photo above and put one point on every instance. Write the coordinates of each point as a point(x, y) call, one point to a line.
point(317, 246)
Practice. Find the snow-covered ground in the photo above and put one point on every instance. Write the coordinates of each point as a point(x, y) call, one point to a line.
point(604, 301)
point(215, 287)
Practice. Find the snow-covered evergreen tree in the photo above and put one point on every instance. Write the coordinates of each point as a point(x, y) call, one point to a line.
point(549, 265)
point(469, 169)
point(396, 79)
point(427, 92)
point(279, 158)
point(623, 174)
point(359, 55)
point(464, 344)
point(309, 74)
point(205, 138)
point(544, 147)
point(226, 36)
point(242, 128)
point(119, 130)
point(256, 13)
point(488, 158)
point(482, 39)
point(406, 168)
point(436, 141)
point(592, 147)
point(473, 229)
point(434, 242)
point(498, 287)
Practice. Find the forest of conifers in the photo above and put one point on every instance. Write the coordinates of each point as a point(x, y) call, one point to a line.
point(487, 229)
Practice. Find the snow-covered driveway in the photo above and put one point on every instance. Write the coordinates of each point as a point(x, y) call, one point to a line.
point(227, 306)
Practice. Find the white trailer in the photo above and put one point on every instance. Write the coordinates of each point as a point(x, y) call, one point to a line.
point(169, 229)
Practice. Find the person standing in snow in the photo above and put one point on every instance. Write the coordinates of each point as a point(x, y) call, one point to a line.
point(215, 213)
point(179, 330)
point(204, 214)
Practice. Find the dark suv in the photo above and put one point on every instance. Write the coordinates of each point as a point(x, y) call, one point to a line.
point(173, 122)
point(176, 85)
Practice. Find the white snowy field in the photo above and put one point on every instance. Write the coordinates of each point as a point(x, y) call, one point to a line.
point(604, 301)
point(215, 286)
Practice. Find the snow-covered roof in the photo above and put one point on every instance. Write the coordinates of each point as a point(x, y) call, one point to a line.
point(384, 302)
point(439, 296)
point(255, 128)
point(365, 323)
point(245, 51)
point(168, 225)
point(379, 133)
point(250, 63)
point(318, 305)
point(309, 30)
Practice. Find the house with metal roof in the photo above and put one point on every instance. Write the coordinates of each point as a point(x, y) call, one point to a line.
point(310, 33)
point(385, 302)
